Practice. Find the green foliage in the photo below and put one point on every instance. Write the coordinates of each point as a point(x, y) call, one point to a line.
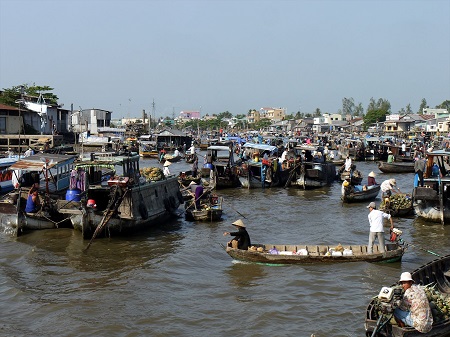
point(444, 105)
point(377, 111)
point(348, 106)
point(423, 105)
point(11, 95)
point(317, 113)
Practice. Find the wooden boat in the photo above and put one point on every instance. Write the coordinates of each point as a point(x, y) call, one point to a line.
point(304, 254)
point(186, 177)
point(261, 173)
point(210, 209)
point(52, 174)
point(148, 149)
point(190, 158)
point(6, 175)
point(124, 203)
point(435, 272)
point(172, 158)
point(311, 170)
point(359, 194)
point(222, 167)
point(396, 167)
point(432, 201)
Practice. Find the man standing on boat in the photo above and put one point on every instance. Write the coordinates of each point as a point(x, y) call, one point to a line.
point(419, 168)
point(376, 227)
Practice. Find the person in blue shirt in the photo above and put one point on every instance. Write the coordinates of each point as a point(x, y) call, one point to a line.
point(33, 203)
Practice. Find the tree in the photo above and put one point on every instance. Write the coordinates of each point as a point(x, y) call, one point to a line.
point(377, 111)
point(359, 110)
point(299, 115)
point(444, 105)
point(422, 106)
point(348, 106)
point(408, 108)
point(224, 115)
point(9, 96)
point(317, 113)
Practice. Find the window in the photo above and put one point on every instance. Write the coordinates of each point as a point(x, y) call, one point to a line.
point(2, 124)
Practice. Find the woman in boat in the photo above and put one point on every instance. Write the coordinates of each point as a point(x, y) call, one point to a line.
point(241, 238)
point(414, 309)
point(371, 179)
point(391, 157)
point(33, 203)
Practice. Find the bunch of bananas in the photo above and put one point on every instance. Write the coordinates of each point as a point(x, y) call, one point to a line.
point(152, 173)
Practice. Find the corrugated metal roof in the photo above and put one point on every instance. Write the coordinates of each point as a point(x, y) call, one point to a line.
point(37, 161)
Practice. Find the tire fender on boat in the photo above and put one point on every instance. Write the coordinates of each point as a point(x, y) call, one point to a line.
point(143, 211)
point(167, 204)
point(180, 197)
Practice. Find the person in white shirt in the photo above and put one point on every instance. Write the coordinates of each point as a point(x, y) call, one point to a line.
point(283, 155)
point(389, 186)
point(376, 227)
point(166, 170)
point(348, 163)
point(176, 153)
point(192, 149)
point(28, 152)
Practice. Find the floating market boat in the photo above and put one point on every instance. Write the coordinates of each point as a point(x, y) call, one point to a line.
point(432, 201)
point(304, 254)
point(258, 172)
point(221, 167)
point(357, 193)
point(435, 276)
point(210, 209)
point(52, 174)
point(123, 203)
point(311, 170)
point(6, 184)
point(399, 205)
point(396, 167)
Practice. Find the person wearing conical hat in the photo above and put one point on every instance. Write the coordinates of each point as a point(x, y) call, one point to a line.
point(388, 186)
point(241, 238)
point(166, 170)
point(371, 179)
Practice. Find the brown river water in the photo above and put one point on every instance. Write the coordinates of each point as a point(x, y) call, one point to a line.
point(176, 280)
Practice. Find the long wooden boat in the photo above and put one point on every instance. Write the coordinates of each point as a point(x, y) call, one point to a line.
point(396, 167)
point(435, 272)
point(123, 203)
point(304, 254)
point(359, 194)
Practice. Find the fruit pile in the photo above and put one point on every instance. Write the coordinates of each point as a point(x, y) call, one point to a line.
point(152, 173)
point(397, 201)
point(439, 304)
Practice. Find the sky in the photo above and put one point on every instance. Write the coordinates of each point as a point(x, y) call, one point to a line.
point(235, 55)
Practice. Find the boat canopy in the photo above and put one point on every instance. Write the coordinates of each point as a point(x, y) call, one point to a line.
point(219, 148)
point(37, 161)
point(262, 147)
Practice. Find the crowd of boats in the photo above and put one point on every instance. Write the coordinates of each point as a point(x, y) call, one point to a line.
point(109, 193)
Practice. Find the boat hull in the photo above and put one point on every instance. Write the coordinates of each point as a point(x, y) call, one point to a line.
point(360, 196)
point(396, 167)
point(316, 254)
point(141, 207)
point(433, 272)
